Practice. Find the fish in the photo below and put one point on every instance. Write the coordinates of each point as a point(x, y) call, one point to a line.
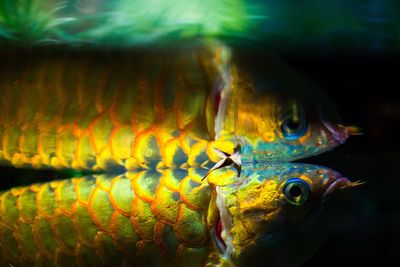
point(273, 215)
point(157, 107)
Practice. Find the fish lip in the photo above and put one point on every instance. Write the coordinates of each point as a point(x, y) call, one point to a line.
point(339, 133)
point(338, 184)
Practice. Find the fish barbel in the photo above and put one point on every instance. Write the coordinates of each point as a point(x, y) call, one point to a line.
point(155, 108)
point(172, 218)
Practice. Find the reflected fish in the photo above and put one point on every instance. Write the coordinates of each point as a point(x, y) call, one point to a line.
point(273, 215)
point(157, 107)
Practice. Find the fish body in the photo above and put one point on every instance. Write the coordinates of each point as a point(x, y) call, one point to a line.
point(169, 218)
point(155, 108)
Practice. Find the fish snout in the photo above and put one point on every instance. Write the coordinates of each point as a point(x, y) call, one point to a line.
point(340, 133)
point(340, 184)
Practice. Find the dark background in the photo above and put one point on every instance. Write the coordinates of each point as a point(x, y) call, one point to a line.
point(365, 89)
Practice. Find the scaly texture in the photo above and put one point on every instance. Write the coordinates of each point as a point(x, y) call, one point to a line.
point(145, 112)
point(170, 218)
point(140, 219)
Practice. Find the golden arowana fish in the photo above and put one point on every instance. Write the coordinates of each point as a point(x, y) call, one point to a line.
point(274, 215)
point(157, 108)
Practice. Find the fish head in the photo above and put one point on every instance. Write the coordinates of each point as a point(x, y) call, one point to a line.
point(279, 115)
point(278, 216)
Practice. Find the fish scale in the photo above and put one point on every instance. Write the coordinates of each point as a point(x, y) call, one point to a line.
point(103, 218)
point(104, 125)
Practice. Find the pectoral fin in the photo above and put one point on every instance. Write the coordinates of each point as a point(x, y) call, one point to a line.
point(227, 159)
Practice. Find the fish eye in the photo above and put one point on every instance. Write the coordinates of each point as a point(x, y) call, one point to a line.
point(293, 128)
point(296, 191)
point(293, 121)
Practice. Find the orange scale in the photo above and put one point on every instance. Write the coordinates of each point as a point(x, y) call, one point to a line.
point(165, 205)
point(145, 183)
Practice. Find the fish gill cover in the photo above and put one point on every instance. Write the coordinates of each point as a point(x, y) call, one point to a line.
point(367, 24)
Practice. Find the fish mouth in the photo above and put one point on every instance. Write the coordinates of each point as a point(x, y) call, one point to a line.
point(339, 133)
point(340, 184)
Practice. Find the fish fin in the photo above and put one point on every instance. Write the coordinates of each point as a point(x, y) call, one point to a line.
point(234, 159)
point(221, 153)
